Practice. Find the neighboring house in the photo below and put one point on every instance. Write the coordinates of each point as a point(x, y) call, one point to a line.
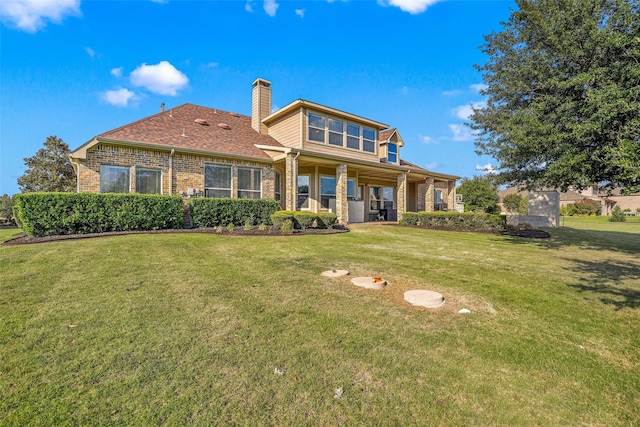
point(306, 155)
point(607, 200)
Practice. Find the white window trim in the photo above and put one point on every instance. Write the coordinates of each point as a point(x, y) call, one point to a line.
point(345, 135)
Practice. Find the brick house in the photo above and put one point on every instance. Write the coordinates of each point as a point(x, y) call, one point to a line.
point(306, 155)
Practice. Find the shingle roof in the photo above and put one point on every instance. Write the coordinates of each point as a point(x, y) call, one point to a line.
point(167, 129)
point(386, 134)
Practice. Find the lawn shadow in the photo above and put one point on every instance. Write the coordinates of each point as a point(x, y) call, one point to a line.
point(616, 241)
point(616, 282)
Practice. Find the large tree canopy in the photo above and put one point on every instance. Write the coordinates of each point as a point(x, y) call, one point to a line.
point(479, 193)
point(563, 87)
point(49, 169)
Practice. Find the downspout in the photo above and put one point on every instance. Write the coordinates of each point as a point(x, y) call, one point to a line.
point(171, 171)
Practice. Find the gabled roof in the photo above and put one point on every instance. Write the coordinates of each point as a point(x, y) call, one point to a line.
point(192, 128)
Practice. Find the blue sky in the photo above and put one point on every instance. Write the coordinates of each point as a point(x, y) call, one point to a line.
point(76, 68)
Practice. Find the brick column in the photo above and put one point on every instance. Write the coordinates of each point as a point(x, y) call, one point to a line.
point(451, 196)
point(342, 204)
point(291, 182)
point(421, 190)
point(401, 203)
point(429, 195)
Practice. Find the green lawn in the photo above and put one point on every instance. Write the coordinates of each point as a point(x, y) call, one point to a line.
point(174, 329)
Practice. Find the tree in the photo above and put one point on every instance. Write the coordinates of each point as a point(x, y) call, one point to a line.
point(563, 107)
point(617, 215)
point(50, 169)
point(512, 203)
point(479, 193)
point(6, 209)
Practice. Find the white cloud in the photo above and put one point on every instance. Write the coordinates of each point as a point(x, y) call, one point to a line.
point(248, 7)
point(427, 140)
point(119, 97)
point(486, 169)
point(32, 15)
point(160, 1)
point(90, 51)
point(432, 165)
point(412, 6)
point(212, 65)
point(162, 78)
point(464, 111)
point(117, 72)
point(478, 87)
point(270, 7)
point(461, 132)
point(300, 13)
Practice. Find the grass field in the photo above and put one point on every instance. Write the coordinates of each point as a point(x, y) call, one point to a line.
point(175, 329)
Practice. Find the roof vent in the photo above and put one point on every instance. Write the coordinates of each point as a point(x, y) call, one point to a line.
point(224, 126)
point(202, 122)
point(235, 114)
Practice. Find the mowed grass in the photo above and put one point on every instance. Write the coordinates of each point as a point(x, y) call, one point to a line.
point(175, 329)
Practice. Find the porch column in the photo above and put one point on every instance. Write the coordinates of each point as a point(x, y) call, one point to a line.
point(291, 182)
point(429, 195)
point(451, 196)
point(421, 190)
point(342, 204)
point(401, 204)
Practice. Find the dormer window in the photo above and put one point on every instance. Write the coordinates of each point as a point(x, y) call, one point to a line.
point(339, 133)
point(392, 152)
point(336, 130)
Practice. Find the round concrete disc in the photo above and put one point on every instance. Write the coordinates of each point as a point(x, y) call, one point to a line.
point(424, 298)
point(368, 283)
point(335, 273)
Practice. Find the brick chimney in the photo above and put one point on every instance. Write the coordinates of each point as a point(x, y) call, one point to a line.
point(260, 104)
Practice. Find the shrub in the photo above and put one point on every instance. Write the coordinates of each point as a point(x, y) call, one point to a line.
point(287, 226)
point(586, 207)
point(410, 218)
point(213, 212)
point(45, 214)
point(512, 203)
point(304, 220)
point(617, 215)
point(279, 217)
point(466, 220)
point(326, 219)
point(6, 210)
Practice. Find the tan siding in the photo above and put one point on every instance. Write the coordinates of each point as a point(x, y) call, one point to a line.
point(343, 152)
point(287, 130)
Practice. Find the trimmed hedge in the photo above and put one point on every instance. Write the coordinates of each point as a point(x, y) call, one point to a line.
point(213, 212)
point(466, 220)
point(304, 220)
point(46, 214)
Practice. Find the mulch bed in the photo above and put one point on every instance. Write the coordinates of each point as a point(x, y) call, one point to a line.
point(22, 239)
point(531, 234)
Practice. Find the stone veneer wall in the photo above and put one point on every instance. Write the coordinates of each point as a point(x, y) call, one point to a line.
point(188, 169)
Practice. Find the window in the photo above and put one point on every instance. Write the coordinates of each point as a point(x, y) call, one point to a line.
point(327, 190)
point(278, 191)
point(387, 195)
point(336, 130)
point(369, 140)
point(217, 181)
point(353, 136)
point(438, 196)
point(392, 153)
point(148, 181)
point(303, 192)
point(381, 198)
point(375, 198)
point(114, 179)
point(353, 192)
point(316, 128)
point(249, 183)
